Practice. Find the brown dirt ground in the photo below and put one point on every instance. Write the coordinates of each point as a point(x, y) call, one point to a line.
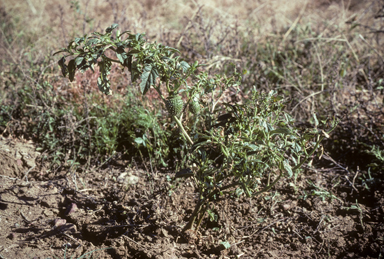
point(70, 215)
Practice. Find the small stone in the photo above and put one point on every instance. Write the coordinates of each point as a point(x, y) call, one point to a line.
point(59, 222)
point(165, 232)
point(48, 213)
point(286, 206)
point(71, 208)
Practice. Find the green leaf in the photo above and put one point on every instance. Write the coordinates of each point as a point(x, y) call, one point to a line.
point(102, 81)
point(70, 45)
point(185, 66)
point(121, 55)
point(92, 41)
point(288, 167)
point(184, 173)
point(281, 131)
point(79, 60)
point(138, 36)
point(64, 69)
point(171, 49)
point(104, 85)
point(78, 41)
point(277, 98)
point(128, 64)
point(251, 146)
point(255, 161)
point(124, 32)
point(134, 75)
point(111, 28)
point(133, 51)
point(139, 141)
point(148, 78)
point(71, 70)
point(226, 244)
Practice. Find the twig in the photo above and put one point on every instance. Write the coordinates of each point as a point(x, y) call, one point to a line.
point(33, 9)
point(25, 218)
point(354, 178)
point(304, 99)
point(187, 27)
point(259, 230)
point(130, 239)
point(329, 158)
point(129, 225)
point(74, 239)
point(77, 123)
point(297, 233)
point(10, 178)
point(26, 174)
point(295, 22)
point(321, 220)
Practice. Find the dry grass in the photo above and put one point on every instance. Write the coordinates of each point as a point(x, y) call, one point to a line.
point(34, 29)
point(59, 21)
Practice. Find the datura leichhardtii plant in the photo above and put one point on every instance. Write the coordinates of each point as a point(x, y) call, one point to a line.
point(232, 148)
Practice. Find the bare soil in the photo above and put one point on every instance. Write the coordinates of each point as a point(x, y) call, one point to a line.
point(68, 215)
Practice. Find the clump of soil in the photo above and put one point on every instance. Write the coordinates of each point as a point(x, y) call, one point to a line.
point(105, 214)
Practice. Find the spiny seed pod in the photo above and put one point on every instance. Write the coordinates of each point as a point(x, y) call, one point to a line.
point(194, 106)
point(174, 105)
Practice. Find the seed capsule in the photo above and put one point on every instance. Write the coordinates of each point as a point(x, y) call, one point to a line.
point(194, 107)
point(174, 105)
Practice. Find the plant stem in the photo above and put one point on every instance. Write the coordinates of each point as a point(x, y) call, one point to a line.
point(202, 214)
point(110, 59)
point(268, 187)
point(194, 215)
point(310, 154)
point(185, 134)
point(202, 202)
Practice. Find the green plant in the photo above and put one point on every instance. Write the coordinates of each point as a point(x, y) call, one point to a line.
point(246, 147)
point(356, 207)
point(322, 193)
point(227, 147)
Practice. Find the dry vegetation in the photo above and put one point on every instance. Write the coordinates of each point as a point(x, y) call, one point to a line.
point(324, 56)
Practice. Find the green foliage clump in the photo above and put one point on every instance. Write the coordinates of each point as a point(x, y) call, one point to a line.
point(89, 132)
point(246, 144)
point(226, 147)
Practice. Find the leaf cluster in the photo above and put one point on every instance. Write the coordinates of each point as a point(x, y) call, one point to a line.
point(145, 61)
point(246, 146)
